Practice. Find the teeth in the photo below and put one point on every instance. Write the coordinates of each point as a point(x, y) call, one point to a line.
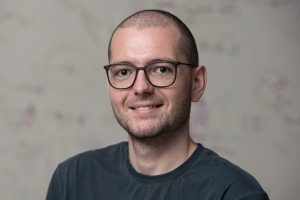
point(144, 107)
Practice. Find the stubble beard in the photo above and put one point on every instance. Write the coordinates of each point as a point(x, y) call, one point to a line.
point(165, 129)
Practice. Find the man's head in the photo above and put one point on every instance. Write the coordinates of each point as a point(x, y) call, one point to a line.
point(150, 38)
point(158, 19)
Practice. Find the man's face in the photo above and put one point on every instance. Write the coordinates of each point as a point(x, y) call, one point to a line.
point(144, 110)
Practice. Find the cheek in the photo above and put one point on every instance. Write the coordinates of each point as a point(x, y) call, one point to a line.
point(182, 90)
point(116, 98)
point(182, 97)
point(177, 98)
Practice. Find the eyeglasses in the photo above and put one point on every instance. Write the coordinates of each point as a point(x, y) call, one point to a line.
point(158, 73)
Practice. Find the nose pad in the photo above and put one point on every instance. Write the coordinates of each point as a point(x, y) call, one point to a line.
point(142, 84)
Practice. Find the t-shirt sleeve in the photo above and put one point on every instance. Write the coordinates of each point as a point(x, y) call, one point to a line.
point(54, 187)
point(257, 195)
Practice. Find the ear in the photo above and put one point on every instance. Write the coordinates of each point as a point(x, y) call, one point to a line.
point(198, 83)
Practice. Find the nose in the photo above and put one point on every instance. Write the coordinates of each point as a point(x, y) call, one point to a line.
point(142, 86)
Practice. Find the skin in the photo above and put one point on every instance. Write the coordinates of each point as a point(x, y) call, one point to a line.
point(157, 119)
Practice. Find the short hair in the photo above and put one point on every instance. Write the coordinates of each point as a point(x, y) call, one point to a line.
point(160, 18)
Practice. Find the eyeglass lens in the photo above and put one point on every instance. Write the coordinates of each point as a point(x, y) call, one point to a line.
point(160, 74)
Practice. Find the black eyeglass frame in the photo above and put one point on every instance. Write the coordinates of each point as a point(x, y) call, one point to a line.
point(175, 63)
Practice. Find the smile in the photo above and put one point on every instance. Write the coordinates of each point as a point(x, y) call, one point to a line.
point(146, 107)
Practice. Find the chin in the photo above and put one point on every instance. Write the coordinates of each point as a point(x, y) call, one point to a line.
point(143, 133)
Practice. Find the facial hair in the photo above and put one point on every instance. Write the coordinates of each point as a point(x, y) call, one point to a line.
point(164, 129)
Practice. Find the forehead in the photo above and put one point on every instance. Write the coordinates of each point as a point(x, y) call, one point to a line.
point(132, 43)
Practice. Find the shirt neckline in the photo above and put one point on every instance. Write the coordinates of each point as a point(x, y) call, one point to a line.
point(146, 179)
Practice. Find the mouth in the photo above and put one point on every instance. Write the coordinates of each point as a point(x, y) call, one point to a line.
point(145, 107)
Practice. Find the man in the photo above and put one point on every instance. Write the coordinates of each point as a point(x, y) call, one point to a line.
point(153, 77)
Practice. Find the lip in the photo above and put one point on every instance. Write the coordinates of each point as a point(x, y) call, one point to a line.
point(148, 108)
point(144, 111)
point(145, 107)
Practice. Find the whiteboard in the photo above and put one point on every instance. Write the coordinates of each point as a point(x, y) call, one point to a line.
point(53, 92)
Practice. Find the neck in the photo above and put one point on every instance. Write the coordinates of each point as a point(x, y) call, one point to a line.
point(161, 154)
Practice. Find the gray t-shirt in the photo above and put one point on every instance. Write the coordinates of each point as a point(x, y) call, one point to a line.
point(106, 174)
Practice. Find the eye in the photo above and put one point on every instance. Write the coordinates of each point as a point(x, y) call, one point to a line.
point(120, 71)
point(162, 69)
point(123, 72)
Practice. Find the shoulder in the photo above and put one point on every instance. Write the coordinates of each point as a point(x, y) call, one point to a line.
point(87, 167)
point(215, 165)
point(88, 158)
point(224, 176)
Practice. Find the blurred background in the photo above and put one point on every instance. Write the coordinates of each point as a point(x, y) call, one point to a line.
point(53, 92)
